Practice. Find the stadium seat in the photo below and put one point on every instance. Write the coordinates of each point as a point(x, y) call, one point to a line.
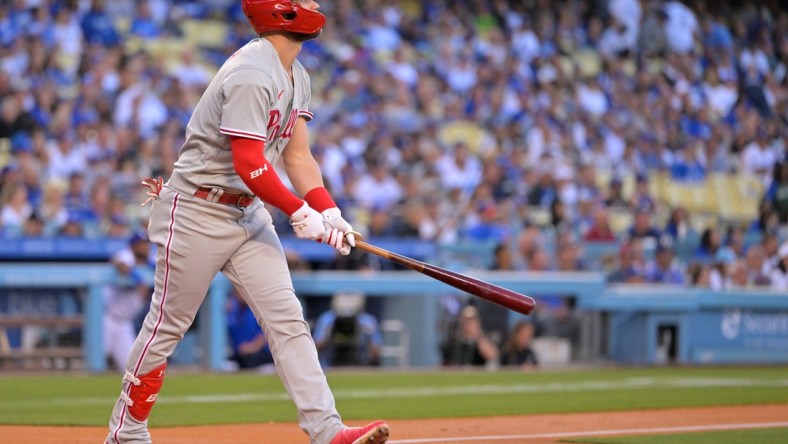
point(205, 33)
point(538, 216)
point(621, 220)
point(462, 131)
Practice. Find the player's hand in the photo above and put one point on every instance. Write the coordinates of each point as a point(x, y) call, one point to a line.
point(337, 230)
point(308, 224)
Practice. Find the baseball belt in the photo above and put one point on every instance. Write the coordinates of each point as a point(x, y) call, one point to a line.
point(227, 197)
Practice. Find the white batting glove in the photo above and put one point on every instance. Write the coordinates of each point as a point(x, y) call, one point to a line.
point(337, 230)
point(308, 224)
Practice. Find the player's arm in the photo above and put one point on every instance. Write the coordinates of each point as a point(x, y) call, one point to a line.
point(258, 174)
point(301, 167)
point(307, 179)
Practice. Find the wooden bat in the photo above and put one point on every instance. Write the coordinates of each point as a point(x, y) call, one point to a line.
point(477, 287)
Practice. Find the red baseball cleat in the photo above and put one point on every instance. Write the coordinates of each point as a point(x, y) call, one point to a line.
point(373, 433)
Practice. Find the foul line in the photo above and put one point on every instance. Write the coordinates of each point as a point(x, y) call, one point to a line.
point(706, 428)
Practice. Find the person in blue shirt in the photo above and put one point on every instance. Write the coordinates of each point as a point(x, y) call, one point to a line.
point(663, 270)
point(98, 27)
point(249, 344)
point(347, 336)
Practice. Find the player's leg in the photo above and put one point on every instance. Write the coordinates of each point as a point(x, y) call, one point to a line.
point(260, 274)
point(194, 240)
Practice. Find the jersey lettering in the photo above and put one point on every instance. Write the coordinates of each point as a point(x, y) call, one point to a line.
point(291, 121)
point(274, 119)
point(258, 172)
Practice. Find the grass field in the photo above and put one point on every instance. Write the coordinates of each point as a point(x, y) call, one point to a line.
point(191, 399)
point(759, 436)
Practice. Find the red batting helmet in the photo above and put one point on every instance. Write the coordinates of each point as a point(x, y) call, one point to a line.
point(282, 15)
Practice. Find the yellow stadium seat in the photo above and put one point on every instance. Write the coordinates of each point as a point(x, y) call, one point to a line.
point(207, 33)
point(738, 196)
point(602, 179)
point(588, 62)
point(620, 221)
point(657, 185)
point(412, 8)
point(462, 131)
point(701, 221)
point(628, 186)
point(538, 216)
point(123, 24)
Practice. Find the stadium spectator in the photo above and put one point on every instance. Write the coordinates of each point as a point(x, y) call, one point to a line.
point(517, 351)
point(98, 27)
point(710, 244)
point(641, 198)
point(757, 266)
point(538, 260)
point(777, 193)
point(678, 228)
point(467, 343)
point(143, 24)
point(600, 230)
point(378, 188)
point(699, 275)
point(534, 108)
point(630, 265)
point(489, 226)
point(345, 335)
point(125, 298)
point(615, 197)
point(779, 274)
point(643, 228)
point(568, 252)
point(33, 227)
point(15, 209)
point(460, 169)
point(562, 321)
point(720, 276)
point(663, 269)
point(249, 346)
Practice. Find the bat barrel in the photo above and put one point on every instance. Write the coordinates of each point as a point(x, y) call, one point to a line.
point(502, 296)
point(507, 298)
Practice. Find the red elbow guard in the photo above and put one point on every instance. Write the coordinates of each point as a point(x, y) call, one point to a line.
point(258, 174)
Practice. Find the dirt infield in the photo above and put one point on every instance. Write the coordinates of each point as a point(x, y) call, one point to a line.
point(499, 430)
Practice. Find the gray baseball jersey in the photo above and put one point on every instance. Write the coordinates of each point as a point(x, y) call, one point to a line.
point(251, 96)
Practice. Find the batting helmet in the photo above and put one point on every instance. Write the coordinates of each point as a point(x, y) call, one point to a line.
point(282, 15)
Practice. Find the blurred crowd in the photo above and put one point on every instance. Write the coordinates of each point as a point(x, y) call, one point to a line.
point(447, 121)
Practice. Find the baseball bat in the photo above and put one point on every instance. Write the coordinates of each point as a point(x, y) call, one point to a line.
point(477, 287)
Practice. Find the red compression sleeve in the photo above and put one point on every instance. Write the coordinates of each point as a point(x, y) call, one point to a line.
point(319, 199)
point(259, 175)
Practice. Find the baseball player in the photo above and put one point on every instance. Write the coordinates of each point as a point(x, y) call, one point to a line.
point(125, 298)
point(209, 218)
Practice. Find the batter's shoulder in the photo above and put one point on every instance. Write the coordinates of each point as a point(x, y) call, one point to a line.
point(256, 55)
